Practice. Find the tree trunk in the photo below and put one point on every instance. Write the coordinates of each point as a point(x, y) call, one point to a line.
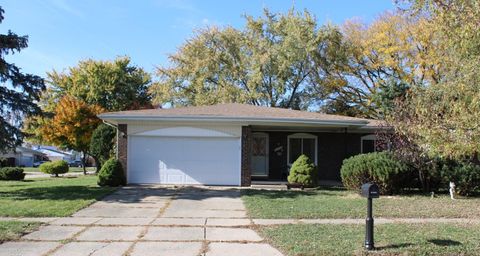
point(97, 164)
point(84, 163)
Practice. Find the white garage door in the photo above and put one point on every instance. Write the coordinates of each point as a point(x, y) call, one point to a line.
point(184, 160)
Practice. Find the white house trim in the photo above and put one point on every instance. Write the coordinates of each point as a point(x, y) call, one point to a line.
point(301, 136)
point(367, 137)
point(184, 131)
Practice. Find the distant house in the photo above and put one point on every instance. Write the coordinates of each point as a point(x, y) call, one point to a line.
point(54, 154)
point(21, 156)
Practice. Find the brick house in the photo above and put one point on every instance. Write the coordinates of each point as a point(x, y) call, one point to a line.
point(233, 144)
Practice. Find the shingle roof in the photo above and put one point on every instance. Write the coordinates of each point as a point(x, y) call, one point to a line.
point(235, 110)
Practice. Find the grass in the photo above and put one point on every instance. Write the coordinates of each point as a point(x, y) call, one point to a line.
point(49, 197)
point(12, 230)
point(71, 169)
point(339, 203)
point(390, 239)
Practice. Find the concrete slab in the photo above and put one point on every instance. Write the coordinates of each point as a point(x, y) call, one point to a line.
point(103, 204)
point(208, 204)
point(111, 234)
point(241, 249)
point(27, 248)
point(124, 221)
point(232, 234)
point(74, 221)
point(54, 233)
point(174, 234)
point(228, 222)
point(93, 248)
point(167, 249)
point(120, 212)
point(179, 222)
point(172, 212)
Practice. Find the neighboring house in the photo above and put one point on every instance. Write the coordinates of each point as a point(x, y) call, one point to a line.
point(22, 156)
point(55, 154)
point(232, 144)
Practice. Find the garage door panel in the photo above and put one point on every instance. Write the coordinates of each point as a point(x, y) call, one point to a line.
point(177, 160)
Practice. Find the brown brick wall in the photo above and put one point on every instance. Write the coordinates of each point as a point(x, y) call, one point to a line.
point(122, 146)
point(246, 156)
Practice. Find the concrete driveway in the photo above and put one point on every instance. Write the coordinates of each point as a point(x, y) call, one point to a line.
point(151, 221)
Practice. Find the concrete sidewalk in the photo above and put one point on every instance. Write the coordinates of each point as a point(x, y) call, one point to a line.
point(149, 221)
point(218, 221)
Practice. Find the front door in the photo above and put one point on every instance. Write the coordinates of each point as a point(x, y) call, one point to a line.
point(260, 154)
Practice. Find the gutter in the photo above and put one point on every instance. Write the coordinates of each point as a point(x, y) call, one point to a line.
point(230, 119)
point(109, 124)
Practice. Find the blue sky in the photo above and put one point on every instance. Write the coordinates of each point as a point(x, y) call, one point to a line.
point(63, 32)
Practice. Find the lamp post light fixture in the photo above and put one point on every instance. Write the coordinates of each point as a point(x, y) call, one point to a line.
point(370, 191)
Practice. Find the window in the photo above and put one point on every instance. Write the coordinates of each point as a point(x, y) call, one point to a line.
point(302, 143)
point(368, 144)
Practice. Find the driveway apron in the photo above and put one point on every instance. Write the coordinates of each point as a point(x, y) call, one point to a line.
point(151, 221)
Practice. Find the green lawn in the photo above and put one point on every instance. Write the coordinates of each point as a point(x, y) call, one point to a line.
point(339, 203)
point(12, 230)
point(71, 169)
point(390, 239)
point(49, 197)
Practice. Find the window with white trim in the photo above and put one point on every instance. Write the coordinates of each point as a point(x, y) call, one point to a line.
point(302, 143)
point(368, 144)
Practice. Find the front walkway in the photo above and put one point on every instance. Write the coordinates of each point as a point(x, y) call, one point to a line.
point(150, 221)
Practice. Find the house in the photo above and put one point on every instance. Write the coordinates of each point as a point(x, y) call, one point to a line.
point(55, 154)
point(233, 144)
point(21, 156)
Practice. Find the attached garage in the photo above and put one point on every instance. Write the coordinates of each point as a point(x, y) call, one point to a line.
point(184, 155)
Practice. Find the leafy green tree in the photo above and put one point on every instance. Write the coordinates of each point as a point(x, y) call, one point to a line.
point(101, 144)
point(269, 63)
point(113, 85)
point(19, 92)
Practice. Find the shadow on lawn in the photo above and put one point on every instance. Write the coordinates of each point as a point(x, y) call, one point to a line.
point(394, 246)
point(273, 194)
point(444, 242)
point(439, 242)
point(55, 193)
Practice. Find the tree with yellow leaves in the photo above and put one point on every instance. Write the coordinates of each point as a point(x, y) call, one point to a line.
point(382, 60)
point(72, 126)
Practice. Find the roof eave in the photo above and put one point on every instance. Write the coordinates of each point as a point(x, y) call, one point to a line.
point(249, 120)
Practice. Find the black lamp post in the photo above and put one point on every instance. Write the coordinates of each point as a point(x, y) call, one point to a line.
point(370, 191)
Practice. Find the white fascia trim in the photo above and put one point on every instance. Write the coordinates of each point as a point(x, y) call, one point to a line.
point(234, 120)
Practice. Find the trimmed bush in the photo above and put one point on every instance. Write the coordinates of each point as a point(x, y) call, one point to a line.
point(303, 172)
point(111, 174)
point(11, 173)
point(382, 168)
point(55, 167)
